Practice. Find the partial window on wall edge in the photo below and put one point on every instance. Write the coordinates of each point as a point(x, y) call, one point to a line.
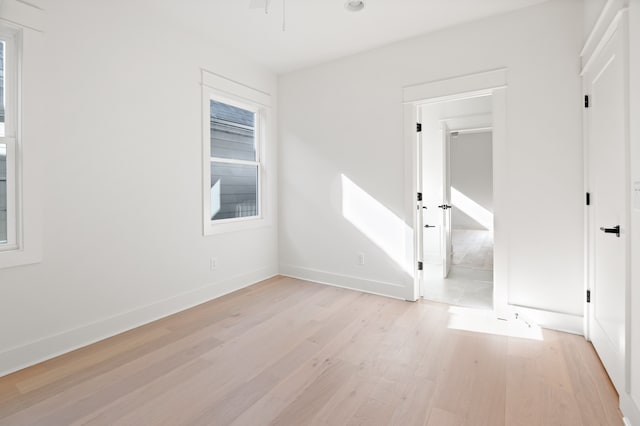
point(8, 133)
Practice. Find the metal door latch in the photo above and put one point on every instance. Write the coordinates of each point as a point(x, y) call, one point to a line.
point(614, 230)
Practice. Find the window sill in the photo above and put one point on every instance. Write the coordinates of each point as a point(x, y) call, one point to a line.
point(213, 228)
point(19, 257)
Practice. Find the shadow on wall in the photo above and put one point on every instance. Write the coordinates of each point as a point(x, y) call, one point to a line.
point(377, 223)
point(472, 209)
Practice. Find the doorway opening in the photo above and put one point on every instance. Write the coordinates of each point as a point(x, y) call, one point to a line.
point(488, 88)
point(457, 180)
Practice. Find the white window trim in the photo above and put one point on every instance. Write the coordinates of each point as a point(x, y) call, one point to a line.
point(11, 38)
point(259, 137)
point(26, 191)
point(232, 93)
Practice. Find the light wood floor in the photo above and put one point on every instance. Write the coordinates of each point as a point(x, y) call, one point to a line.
point(289, 352)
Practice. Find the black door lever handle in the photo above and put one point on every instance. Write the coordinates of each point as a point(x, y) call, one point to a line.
point(429, 226)
point(614, 230)
point(444, 206)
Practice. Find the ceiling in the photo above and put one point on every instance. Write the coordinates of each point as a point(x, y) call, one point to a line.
point(322, 30)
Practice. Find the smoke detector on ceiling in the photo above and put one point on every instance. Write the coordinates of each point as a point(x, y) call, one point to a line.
point(354, 5)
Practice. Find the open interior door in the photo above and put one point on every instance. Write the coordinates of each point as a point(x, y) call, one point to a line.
point(608, 233)
point(447, 250)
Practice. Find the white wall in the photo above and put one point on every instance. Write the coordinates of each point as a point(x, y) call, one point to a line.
point(472, 174)
point(113, 93)
point(345, 117)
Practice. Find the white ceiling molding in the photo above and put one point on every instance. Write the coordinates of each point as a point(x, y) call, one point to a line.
point(35, 3)
point(25, 13)
point(443, 90)
point(469, 122)
point(234, 88)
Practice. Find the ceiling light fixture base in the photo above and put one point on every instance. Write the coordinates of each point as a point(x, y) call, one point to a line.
point(354, 5)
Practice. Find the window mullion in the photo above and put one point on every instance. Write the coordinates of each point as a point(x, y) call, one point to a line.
point(232, 161)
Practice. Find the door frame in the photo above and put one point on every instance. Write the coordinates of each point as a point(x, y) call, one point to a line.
point(494, 83)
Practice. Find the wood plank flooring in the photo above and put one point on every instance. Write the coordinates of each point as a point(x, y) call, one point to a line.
point(290, 352)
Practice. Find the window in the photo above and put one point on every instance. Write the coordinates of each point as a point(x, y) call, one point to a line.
point(21, 206)
point(235, 121)
point(235, 162)
point(8, 88)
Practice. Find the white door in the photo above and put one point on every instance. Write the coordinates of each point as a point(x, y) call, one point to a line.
point(605, 83)
point(447, 251)
point(430, 156)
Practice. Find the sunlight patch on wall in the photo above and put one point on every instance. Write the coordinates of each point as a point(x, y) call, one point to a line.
point(472, 209)
point(378, 223)
point(485, 322)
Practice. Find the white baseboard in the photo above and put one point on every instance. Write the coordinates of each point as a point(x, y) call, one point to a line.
point(552, 320)
point(630, 410)
point(380, 288)
point(20, 357)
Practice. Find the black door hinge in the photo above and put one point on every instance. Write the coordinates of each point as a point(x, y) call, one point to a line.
point(588, 199)
point(419, 196)
point(586, 101)
point(418, 127)
point(420, 266)
point(588, 296)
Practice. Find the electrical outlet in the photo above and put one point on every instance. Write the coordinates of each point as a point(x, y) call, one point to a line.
point(213, 263)
point(360, 259)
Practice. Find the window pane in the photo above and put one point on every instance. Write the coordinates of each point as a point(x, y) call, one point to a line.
point(3, 194)
point(232, 132)
point(234, 190)
point(2, 100)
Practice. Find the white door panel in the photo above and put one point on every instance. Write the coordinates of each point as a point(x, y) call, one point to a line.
point(607, 182)
point(431, 167)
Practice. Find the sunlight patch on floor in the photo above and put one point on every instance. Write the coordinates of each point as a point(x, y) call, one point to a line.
point(485, 321)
